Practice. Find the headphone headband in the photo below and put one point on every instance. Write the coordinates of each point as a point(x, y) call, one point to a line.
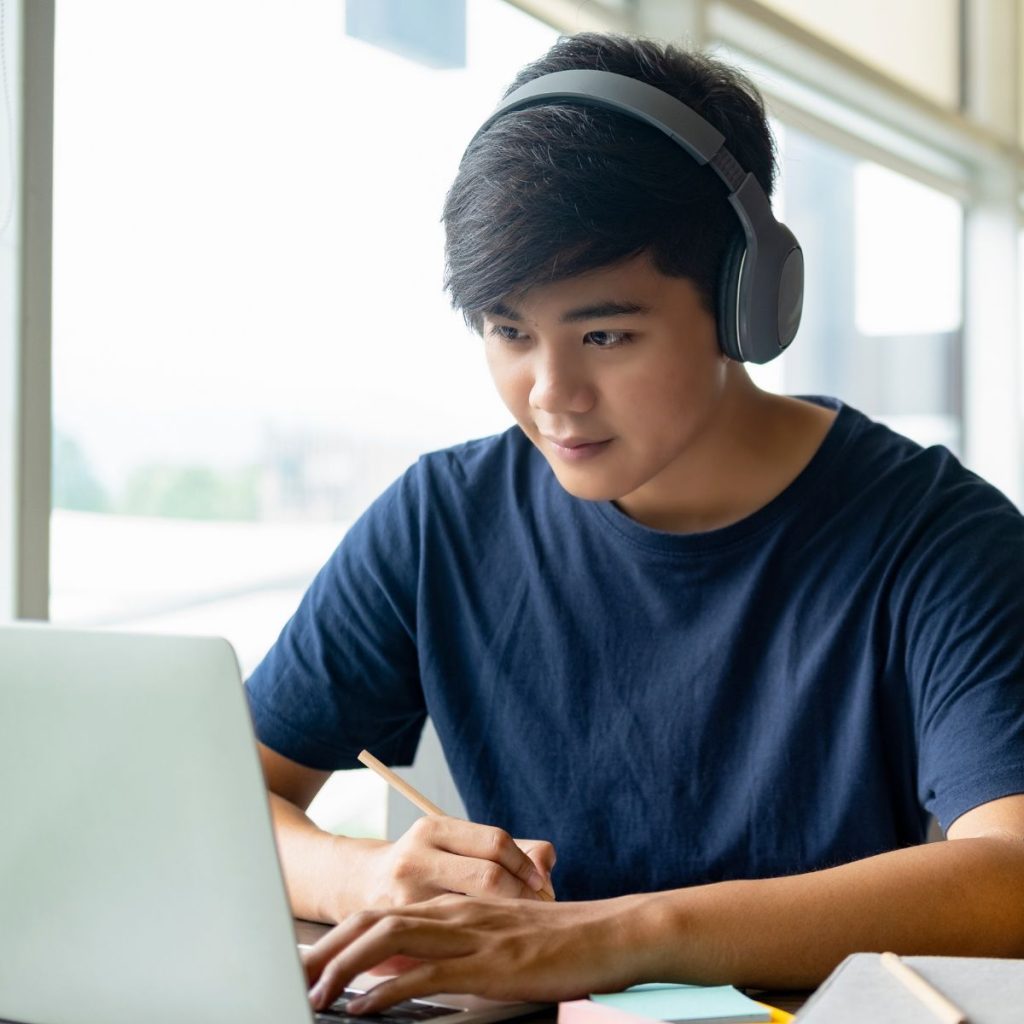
point(619, 93)
point(768, 283)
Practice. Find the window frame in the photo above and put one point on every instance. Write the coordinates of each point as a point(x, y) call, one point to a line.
point(25, 333)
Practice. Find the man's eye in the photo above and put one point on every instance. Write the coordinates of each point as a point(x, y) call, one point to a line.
point(607, 339)
point(505, 332)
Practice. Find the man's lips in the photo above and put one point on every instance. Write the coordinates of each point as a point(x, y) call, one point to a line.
point(575, 449)
point(573, 442)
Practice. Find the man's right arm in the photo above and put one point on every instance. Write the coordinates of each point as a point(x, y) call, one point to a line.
point(330, 876)
point(319, 868)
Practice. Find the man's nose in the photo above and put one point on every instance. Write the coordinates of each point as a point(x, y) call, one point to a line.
point(560, 384)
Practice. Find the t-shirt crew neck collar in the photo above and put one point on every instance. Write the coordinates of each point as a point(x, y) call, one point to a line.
point(821, 463)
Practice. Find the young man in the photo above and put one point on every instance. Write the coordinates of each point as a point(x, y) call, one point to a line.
point(722, 650)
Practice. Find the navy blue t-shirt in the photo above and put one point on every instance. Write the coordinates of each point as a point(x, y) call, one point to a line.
point(793, 691)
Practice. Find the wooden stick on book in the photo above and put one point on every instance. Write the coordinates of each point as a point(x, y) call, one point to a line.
point(414, 795)
point(944, 1010)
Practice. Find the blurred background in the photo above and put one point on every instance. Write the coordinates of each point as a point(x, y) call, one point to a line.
point(223, 326)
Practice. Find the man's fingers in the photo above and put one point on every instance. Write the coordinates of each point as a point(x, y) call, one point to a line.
point(425, 980)
point(433, 872)
point(327, 947)
point(483, 842)
point(304, 959)
point(396, 965)
point(317, 956)
point(542, 853)
point(394, 935)
point(475, 877)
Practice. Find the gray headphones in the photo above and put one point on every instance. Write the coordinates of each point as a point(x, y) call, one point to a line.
point(761, 286)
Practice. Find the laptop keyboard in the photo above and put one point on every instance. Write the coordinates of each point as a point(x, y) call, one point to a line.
point(409, 1012)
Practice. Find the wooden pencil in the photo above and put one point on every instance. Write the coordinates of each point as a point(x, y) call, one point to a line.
point(944, 1010)
point(414, 795)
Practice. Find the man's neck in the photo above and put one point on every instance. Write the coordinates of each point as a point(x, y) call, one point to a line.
point(756, 445)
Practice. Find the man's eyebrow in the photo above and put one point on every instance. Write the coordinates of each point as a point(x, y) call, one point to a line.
point(505, 312)
point(601, 310)
point(595, 311)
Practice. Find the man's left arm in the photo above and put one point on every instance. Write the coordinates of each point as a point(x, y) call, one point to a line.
point(962, 897)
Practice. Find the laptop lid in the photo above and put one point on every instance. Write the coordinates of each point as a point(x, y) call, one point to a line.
point(138, 873)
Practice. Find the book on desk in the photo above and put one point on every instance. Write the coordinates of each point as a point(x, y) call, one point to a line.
point(988, 991)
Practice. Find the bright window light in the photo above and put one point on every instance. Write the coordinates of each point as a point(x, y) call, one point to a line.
point(908, 240)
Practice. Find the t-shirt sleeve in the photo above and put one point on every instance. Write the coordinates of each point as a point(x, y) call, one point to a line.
point(963, 615)
point(343, 675)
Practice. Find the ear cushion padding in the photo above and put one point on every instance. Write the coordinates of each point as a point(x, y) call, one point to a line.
point(728, 288)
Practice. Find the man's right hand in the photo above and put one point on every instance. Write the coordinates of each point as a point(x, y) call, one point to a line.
point(439, 855)
point(330, 876)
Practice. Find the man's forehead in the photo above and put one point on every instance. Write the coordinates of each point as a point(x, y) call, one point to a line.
point(632, 287)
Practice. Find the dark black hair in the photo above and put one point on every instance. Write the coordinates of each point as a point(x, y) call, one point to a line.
point(550, 192)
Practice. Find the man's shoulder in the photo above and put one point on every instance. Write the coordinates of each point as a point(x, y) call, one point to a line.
point(919, 512)
point(877, 458)
point(491, 462)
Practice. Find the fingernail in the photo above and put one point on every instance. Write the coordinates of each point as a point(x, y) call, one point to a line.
point(356, 1005)
point(316, 994)
point(536, 881)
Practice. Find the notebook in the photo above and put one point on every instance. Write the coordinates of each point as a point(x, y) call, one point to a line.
point(860, 989)
point(139, 879)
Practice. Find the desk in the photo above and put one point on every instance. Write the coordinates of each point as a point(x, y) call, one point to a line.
point(308, 932)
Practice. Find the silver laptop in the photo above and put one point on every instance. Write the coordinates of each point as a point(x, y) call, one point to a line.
point(139, 878)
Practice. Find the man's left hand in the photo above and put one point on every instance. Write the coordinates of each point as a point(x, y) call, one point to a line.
point(499, 948)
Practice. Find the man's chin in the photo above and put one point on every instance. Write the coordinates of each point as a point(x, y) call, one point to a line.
point(587, 486)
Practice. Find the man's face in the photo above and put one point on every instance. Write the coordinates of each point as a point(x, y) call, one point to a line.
point(614, 375)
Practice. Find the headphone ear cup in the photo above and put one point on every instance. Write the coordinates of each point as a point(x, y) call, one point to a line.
point(728, 289)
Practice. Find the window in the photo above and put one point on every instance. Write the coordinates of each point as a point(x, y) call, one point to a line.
point(250, 336)
point(882, 324)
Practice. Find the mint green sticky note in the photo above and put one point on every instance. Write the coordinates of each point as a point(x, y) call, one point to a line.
point(654, 986)
point(686, 1003)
